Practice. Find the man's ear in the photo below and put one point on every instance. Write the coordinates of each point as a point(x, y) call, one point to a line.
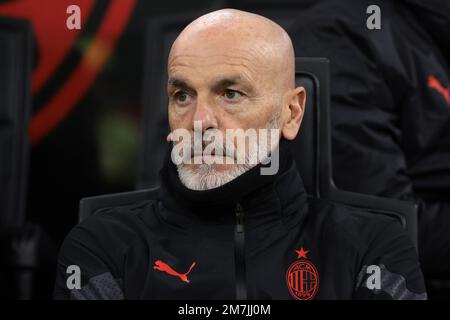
point(294, 113)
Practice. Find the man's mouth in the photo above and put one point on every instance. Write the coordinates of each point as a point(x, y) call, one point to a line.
point(199, 153)
point(209, 157)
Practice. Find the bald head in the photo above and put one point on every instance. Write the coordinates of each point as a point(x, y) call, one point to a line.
point(264, 43)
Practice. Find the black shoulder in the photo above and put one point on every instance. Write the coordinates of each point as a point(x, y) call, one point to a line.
point(100, 242)
point(110, 230)
point(374, 239)
point(120, 220)
point(356, 226)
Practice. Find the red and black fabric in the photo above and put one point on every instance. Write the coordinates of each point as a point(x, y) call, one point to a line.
point(390, 107)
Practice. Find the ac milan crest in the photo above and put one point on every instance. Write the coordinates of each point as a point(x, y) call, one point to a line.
point(302, 277)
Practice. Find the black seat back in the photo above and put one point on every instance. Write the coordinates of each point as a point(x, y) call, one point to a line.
point(15, 93)
point(312, 150)
point(95, 204)
point(309, 147)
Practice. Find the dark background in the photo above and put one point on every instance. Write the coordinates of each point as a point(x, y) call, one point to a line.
point(88, 86)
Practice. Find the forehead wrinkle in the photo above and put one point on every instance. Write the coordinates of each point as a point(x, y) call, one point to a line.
point(241, 78)
point(243, 70)
point(248, 56)
point(261, 47)
point(208, 60)
point(255, 45)
point(242, 63)
point(246, 66)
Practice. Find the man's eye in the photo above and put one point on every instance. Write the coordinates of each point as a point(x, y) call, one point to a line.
point(181, 96)
point(232, 94)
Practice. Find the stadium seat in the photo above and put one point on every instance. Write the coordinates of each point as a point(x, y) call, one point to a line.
point(15, 89)
point(26, 253)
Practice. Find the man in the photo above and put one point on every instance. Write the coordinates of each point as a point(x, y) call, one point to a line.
point(221, 229)
point(390, 106)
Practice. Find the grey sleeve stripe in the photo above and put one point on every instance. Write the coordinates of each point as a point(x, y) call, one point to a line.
point(100, 287)
point(392, 284)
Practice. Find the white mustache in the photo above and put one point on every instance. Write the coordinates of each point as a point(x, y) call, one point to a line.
point(217, 150)
point(215, 146)
point(237, 146)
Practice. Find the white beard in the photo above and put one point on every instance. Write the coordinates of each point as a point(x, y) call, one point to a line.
point(205, 176)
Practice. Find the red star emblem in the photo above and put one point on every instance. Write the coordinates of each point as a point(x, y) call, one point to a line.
point(302, 253)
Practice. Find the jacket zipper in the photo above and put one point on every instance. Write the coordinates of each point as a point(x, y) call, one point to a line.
point(239, 254)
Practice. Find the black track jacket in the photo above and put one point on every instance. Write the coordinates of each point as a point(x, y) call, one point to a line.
point(256, 237)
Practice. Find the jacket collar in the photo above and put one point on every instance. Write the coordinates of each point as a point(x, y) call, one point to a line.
point(265, 200)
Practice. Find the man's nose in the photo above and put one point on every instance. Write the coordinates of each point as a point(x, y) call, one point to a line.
point(205, 113)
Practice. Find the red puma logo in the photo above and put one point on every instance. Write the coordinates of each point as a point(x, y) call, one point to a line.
point(161, 266)
point(435, 84)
